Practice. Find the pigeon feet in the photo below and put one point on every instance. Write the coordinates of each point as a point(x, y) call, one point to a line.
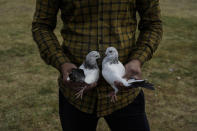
point(80, 93)
point(113, 97)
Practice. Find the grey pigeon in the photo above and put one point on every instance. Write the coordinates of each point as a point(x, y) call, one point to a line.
point(88, 72)
point(113, 71)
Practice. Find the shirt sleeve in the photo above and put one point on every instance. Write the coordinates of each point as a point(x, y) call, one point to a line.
point(43, 25)
point(150, 27)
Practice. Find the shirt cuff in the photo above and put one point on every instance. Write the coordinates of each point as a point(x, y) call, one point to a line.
point(142, 54)
point(58, 60)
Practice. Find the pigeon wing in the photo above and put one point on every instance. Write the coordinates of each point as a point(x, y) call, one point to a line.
point(77, 75)
point(113, 72)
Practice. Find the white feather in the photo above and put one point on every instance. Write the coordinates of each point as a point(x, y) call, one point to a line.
point(114, 72)
point(91, 75)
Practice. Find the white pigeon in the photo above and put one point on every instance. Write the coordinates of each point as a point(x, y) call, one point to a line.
point(89, 69)
point(113, 70)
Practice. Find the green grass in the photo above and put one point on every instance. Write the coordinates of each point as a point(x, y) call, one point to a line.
point(29, 91)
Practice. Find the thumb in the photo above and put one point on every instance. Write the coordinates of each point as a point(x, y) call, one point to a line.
point(65, 77)
point(126, 76)
point(137, 77)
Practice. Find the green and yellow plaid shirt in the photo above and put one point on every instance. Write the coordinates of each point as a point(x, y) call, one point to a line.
point(95, 25)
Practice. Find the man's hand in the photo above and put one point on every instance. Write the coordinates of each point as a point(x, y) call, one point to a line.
point(132, 70)
point(66, 69)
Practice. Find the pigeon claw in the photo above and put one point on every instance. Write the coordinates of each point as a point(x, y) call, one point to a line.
point(113, 97)
point(80, 94)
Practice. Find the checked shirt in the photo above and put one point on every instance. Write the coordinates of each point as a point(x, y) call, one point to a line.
point(95, 25)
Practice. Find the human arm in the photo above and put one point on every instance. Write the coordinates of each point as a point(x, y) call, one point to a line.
point(150, 27)
point(43, 25)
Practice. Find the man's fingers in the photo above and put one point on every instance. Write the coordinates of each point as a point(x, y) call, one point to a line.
point(127, 76)
point(65, 75)
point(137, 77)
point(74, 66)
point(120, 86)
point(71, 67)
point(66, 69)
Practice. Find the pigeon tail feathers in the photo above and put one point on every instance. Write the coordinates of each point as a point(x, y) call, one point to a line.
point(143, 84)
point(130, 81)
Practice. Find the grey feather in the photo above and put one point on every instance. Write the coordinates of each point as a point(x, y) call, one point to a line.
point(77, 75)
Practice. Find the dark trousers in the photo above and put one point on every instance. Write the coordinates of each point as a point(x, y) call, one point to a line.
point(130, 118)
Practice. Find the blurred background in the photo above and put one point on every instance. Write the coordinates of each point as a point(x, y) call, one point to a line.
point(29, 91)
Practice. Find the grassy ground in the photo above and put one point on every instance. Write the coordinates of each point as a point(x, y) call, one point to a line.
point(28, 88)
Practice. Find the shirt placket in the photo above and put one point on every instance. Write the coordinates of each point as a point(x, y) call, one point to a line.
point(100, 45)
point(100, 27)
